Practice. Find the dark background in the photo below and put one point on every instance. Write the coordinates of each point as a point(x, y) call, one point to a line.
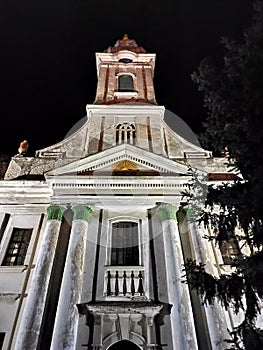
point(47, 57)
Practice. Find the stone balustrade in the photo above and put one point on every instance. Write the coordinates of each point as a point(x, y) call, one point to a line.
point(124, 281)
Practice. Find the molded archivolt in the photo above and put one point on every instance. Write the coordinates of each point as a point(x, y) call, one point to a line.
point(123, 344)
point(115, 340)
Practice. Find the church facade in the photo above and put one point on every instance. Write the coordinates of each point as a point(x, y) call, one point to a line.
point(94, 229)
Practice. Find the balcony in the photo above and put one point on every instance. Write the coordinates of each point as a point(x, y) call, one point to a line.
point(124, 282)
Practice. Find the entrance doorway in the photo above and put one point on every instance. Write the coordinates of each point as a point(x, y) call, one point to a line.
point(124, 344)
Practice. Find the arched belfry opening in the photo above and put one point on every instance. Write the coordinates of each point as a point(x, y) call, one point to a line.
point(124, 344)
point(125, 83)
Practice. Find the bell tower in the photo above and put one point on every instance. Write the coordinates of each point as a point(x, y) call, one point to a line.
point(125, 74)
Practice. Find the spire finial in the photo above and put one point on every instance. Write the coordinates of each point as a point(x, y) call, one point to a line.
point(125, 44)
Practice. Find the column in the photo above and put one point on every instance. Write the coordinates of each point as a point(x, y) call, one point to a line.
point(182, 321)
point(97, 335)
point(151, 332)
point(30, 323)
point(216, 316)
point(67, 317)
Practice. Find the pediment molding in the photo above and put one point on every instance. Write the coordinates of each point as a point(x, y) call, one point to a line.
point(110, 158)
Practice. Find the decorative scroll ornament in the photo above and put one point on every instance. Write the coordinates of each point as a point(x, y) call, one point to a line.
point(126, 165)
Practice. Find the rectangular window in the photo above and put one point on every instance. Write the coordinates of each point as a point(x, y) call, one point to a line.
point(2, 338)
point(125, 244)
point(17, 248)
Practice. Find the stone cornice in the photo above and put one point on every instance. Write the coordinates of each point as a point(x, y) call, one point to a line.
point(118, 153)
point(125, 109)
point(25, 192)
point(145, 308)
point(28, 209)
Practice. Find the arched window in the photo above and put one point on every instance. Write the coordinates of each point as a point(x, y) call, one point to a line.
point(125, 83)
point(124, 344)
point(125, 244)
point(125, 133)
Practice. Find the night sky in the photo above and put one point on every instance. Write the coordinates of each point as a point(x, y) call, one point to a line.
point(47, 57)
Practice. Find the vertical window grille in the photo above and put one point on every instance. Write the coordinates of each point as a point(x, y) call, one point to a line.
point(17, 248)
point(125, 133)
point(2, 338)
point(125, 244)
point(3, 226)
point(229, 250)
point(125, 83)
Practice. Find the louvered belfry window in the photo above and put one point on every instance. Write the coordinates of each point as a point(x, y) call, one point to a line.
point(125, 244)
point(17, 248)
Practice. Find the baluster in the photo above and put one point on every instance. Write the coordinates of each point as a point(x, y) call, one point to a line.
point(116, 283)
point(124, 288)
point(132, 284)
point(140, 287)
point(108, 283)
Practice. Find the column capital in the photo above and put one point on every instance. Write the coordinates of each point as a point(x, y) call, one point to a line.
point(81, 212)
point(55, 212)
point(168, 212)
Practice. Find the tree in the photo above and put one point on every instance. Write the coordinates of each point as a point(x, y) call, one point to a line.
point(233, 95)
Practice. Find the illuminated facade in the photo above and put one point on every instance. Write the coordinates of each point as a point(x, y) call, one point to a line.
point(94, 231)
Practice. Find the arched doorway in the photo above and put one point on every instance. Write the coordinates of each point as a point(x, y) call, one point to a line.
point(124, 344)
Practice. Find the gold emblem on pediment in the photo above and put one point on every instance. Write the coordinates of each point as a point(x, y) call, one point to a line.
point(126, 165)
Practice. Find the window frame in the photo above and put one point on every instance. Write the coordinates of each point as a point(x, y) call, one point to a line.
point(29, 218)
point(229, 250)
point(131, 79)
point(125, 131)
point(22, 247)
point(109, 239)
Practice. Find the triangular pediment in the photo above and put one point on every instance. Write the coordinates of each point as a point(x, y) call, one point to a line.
point(123, 159)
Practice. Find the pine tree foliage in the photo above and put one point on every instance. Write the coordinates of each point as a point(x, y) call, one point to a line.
point(233, 95)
